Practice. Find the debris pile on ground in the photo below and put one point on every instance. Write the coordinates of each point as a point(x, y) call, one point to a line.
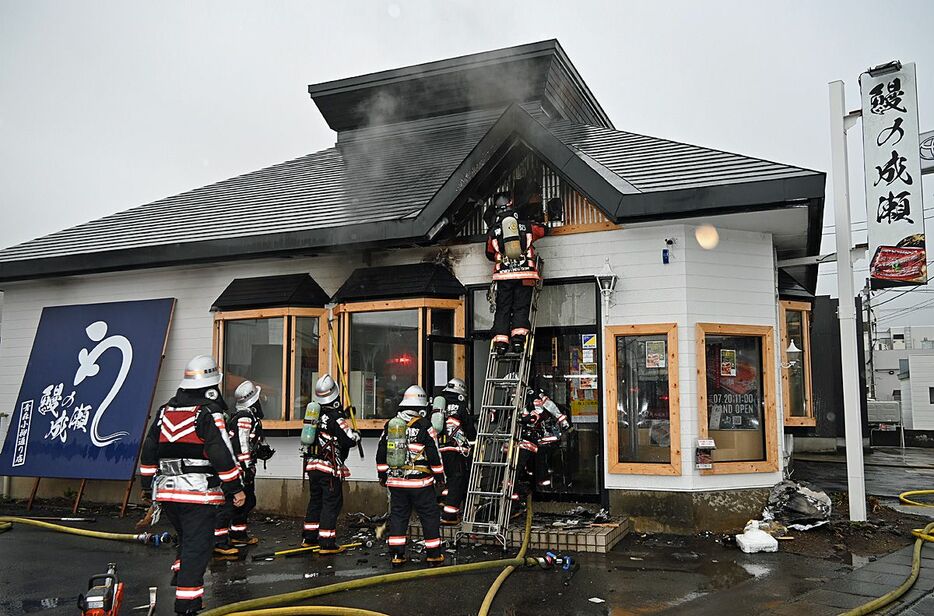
point(753, 539)
point(797, 505)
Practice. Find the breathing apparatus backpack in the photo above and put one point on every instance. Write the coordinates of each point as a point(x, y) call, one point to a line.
point(310, 426)
point(397, 445)
point(512, 242)
point(438, 417)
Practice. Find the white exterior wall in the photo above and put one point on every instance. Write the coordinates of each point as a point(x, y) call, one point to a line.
point(907, 409)
point(734, 283)
point(920, 380)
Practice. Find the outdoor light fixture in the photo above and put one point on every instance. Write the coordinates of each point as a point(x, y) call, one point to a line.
point(791, 350)
point(607, 281)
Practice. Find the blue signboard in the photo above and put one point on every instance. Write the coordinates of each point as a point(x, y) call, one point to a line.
point(85, 399)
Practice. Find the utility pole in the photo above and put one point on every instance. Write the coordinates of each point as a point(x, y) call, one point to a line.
point(840, 121)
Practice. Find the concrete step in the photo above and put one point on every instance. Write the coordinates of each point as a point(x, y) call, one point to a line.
point(596, 539)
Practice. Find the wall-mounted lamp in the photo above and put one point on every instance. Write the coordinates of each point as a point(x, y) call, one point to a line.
point(791, 350)
point(606, 279)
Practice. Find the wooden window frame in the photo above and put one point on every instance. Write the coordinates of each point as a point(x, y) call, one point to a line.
point(424, 325)
point(673, 467)
point(770, 423)
point(808, 420)
point(289, 316)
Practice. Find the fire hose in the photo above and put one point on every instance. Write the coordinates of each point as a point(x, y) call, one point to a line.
point(498, 582)
point(257, 607)
point(7, 522)
point(921, 535)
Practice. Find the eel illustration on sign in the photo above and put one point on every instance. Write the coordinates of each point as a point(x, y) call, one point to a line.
point(87, 367)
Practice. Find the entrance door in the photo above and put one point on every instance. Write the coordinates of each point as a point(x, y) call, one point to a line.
point(447, 357)
point(566, 360)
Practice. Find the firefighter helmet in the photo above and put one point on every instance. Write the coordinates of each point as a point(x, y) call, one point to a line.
point(414, 397)
point(246, 394)
point(456, 386)
point(201, 372)
point(326, 390)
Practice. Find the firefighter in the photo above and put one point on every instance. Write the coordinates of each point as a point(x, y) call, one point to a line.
point(324, 464)
point(407, 461)
point(454, 443)
point(542, 424)
point(516, 271)
point(187, 466)
point(245, 428)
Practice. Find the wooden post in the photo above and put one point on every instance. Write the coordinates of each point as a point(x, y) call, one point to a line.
point(74, 510)
point(32, 495)
point(126, 495)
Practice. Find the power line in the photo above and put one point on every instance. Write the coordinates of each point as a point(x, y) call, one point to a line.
point(907, 311)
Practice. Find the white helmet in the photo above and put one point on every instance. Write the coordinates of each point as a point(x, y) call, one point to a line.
point(457, 386)
point(246, 394)
point(201, 372)
point(414, 397)
point(326, 390)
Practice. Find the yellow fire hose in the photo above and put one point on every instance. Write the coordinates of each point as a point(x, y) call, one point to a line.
point(256, 607)
point(498, 582)
point(6, 522)
point(921, 536)
point(326, 610)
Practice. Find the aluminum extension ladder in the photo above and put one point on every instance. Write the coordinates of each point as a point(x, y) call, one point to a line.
point(491, 485)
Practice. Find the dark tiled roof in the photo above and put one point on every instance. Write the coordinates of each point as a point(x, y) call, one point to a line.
point(400, 281)
point(651, 164)
point(289, 290)
point(363, 180)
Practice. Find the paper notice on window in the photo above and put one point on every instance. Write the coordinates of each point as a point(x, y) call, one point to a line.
point(441, 373)
point(655, 354)
point(588, 355)
point(727, 362)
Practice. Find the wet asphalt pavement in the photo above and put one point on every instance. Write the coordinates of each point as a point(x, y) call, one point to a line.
point(42, 573)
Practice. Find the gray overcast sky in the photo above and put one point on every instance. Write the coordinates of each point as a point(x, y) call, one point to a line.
point(107, 105)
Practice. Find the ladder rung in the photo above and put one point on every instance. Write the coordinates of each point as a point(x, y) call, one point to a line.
point(501, 380)
point(478, 493)
point(495, 434)
point(499, 407)
point(491, 464)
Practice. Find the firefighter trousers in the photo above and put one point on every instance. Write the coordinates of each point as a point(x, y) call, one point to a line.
point(513, 301)
point(324, 506)
point(457, 471)
point(194, 526)
point(401, 503)
point(238, 515)
point(532, 465)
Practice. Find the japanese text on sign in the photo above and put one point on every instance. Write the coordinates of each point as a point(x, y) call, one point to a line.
point(893, 178)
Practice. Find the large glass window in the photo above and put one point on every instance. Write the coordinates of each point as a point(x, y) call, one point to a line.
point(384, 356)
point(305, 365)
point(736, 395)
point(642, 413)
point(643, 428)
point(559, 305)
point(276, 348)
point(796, 364)
point(253, 350)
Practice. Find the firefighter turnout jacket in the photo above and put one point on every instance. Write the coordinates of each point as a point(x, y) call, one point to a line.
point(525, 266)
point(422, 459)
point(542, 422)
point(187, 456)
point(459, 431)
point(246, 434)
point(333, 441)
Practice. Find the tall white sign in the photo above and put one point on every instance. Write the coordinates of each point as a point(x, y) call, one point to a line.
point(893, 177)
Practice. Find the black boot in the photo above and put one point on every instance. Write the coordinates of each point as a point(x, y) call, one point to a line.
point(518, 344)
point(500, 347)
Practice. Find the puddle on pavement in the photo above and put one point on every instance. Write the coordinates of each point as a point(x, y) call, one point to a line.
point(723, 574)
point(31, 606)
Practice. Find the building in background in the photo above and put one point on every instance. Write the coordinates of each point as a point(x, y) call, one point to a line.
point(696, 342)
point(906, 337)
point(916, 376)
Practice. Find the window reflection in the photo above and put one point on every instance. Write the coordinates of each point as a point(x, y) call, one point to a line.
point(643, 411)
point(383, 360)
point(253, 351)
point(735, 399)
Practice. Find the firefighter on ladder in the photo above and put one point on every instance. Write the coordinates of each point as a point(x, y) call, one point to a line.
point(245, 428)
point(324, 464)
point(407, 461)
point(542, 425)
point(454, 443)
point(516, 271)
point(187, 466)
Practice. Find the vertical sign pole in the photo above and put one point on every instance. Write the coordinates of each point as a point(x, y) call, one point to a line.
point(855, 475)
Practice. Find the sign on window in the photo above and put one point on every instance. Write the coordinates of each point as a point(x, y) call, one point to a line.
point(893, 178)
point(85, 397)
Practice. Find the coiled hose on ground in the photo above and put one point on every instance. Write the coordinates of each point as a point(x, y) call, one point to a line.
point(257, 607)
point(921, 535)
point(7, 522)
